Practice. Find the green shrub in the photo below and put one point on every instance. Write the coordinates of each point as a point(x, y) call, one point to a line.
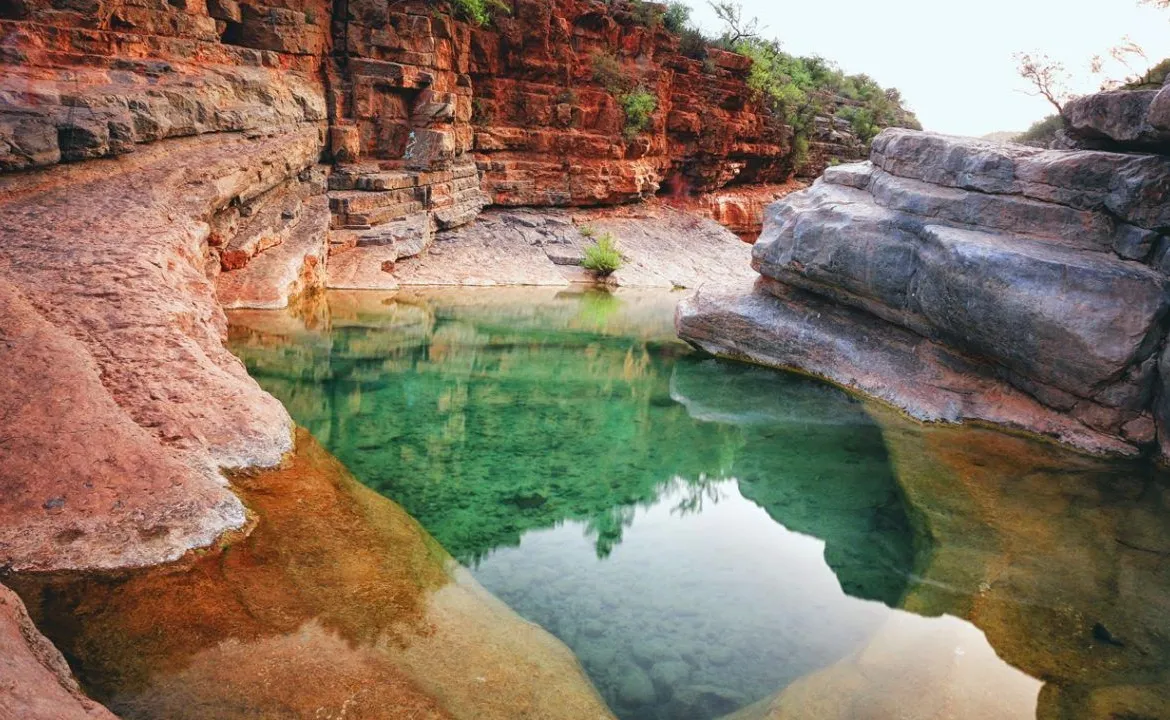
point(1152, 79)
point(693, 43)
point(587, 231)
point(639, 106)
point(479, 12)
point(647, 14)
point(677, 18)
point(861, 120)
point(1042, 133)
point(608, 73)
point(602, 257)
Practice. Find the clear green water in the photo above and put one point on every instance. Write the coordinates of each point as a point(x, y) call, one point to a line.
point(701, 534)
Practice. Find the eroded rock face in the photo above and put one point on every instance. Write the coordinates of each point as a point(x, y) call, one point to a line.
point(1027, 281)
point(122, 403)
point(37, 683)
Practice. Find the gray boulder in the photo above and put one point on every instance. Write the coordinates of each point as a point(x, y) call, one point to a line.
point(1033, 279)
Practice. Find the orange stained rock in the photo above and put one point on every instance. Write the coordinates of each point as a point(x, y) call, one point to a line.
point(337, 602)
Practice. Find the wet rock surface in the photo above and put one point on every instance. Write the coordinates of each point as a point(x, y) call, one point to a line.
point(1026, 284)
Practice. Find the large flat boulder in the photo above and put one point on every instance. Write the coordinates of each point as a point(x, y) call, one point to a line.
point(1043, 269)
point(1004, 296)
point(1123, 119)
point(1134, 188)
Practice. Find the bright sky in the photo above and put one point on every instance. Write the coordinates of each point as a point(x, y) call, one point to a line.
point(954, 66)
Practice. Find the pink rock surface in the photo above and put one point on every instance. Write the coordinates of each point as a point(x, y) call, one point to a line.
point(121, 402)
point(35, 681)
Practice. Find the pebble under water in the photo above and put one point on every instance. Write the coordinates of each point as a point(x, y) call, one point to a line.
point(714, 539)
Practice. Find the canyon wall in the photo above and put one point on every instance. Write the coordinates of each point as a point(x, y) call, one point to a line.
point(428, 118)
point(961, 280)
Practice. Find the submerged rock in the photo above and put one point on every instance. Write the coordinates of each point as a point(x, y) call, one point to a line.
point(336, 584)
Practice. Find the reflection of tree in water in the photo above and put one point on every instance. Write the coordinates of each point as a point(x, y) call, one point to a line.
point(483, 431)
point(696, 494)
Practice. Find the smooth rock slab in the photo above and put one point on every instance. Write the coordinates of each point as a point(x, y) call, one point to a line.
point(123, 405)
point(787, 328)
point(1078, 321)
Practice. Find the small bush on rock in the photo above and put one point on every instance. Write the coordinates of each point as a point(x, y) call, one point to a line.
point(602, 257)
point(647, 14)
point(479, 12)
point(1042, 133)
point(608, 73)
point(639, 106)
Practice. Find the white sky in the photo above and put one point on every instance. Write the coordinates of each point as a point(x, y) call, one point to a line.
point(953, 61)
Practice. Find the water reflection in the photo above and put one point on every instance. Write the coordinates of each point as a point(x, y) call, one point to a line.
point(513, 424)
point(711, 539)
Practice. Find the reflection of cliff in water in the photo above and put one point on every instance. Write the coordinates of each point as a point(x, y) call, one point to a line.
point(808, 458)
point(485, 425)
point(337, 604)
point(1062, 561)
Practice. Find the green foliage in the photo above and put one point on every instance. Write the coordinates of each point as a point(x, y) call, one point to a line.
point(587, 231)
point(693, 44)
point(677, 17)
point(638, 103)
point(801, 88)
point(1042, 133)
point(647, 14)
point(602, 257)
point(608, 73)
point(862, 121)
point(639, 106)
point(479, 12)
point(1153, 78)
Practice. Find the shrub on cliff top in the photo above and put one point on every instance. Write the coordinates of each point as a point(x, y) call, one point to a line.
point(647, 14)
point(677, 18)
point(602, 257)
point(479, 12)
point(1042, 133)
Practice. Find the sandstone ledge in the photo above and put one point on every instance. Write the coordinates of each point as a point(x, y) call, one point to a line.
point(782, 327)
point(121, 403)
point(663, 248)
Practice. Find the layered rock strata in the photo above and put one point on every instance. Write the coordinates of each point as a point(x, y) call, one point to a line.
point(663, 247)
point(1121, 120)
point(961, 280)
